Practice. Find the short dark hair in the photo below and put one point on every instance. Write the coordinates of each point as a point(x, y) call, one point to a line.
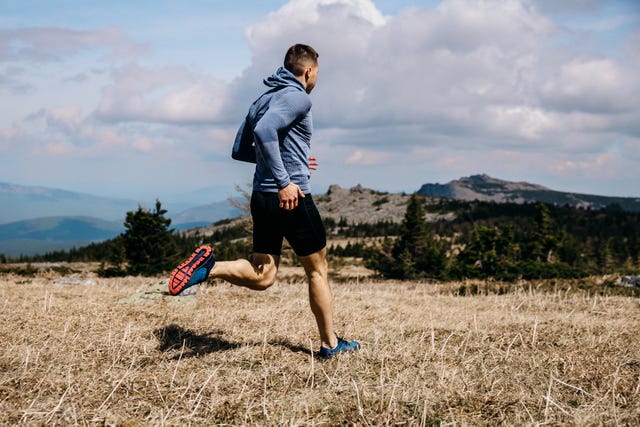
point(298, 58)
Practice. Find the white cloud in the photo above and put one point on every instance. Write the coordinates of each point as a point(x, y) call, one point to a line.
point(482, 69)
point(488, 68)
point(367, 157)
point(485, 86)
point(162, 95)
point(437, 67)
point(597, 85)
point(144, 145)
point(44, 44)
point(521, 122)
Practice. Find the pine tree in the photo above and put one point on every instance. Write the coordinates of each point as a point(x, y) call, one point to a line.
point(479, 257)
point(114, 259)
point(605, 257)
point(414, 230)
point(148, 242)
point(415, 253)
point(543, 238)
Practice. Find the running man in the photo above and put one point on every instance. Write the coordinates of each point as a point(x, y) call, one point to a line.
point(276, 136)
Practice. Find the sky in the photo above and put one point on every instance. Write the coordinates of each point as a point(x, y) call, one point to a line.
point(143, 99)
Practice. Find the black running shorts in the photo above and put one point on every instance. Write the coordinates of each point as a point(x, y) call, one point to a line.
point(302, 226)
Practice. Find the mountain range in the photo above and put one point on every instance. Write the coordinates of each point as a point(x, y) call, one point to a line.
point(48, 234)
point(36, 220)
point(485, 188)
point(21, 202)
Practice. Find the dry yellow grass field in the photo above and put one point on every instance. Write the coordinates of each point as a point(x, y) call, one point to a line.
point(118, 352)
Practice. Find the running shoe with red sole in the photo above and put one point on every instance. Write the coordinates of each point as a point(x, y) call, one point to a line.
point(193, 271)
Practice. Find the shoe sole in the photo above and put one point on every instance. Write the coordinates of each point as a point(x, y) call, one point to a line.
point(182, 274)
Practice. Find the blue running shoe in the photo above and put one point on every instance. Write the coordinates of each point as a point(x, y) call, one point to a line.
point(342, 347)
point(193, 271)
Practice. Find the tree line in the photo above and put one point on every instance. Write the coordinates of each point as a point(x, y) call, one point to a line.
point(149, 246)
point(505, 241)
point(509, 241)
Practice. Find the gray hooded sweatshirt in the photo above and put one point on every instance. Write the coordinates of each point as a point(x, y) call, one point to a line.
point(276, 135)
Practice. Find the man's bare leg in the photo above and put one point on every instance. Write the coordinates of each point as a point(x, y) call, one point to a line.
point(257, 274)
point(320, 297)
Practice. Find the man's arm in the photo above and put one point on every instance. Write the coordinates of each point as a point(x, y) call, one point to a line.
point(281, 114)
point(243, 148)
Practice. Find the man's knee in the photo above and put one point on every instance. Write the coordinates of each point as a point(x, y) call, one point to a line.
point(265, 281)
point(316, 263)
point(266, 268)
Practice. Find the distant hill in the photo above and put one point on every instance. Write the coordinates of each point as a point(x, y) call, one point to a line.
point(486, 188)
point(37, 236)
point(69, 219)
point(203, 215)
point(42, 235)
point(35, 220)
point(21, 202)
point(359, 205)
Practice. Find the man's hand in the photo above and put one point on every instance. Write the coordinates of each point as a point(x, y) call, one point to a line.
point(289, 196)
point(313, 163)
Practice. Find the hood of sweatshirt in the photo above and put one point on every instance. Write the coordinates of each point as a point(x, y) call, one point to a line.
point(283, 77)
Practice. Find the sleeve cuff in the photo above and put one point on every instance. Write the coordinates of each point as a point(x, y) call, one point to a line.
point(283, 184)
